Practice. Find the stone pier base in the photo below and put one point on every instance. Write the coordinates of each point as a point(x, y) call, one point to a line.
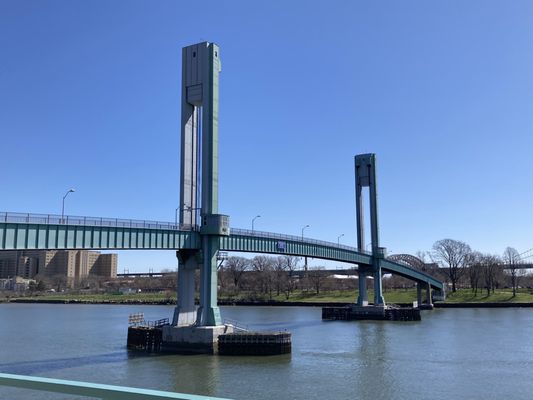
point(193, 339)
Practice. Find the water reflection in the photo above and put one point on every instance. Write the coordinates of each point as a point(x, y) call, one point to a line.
point(43, 367)
point(374, 370)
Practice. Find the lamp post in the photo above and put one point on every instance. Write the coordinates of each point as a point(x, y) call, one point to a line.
point(305, 258)
point(339, 239)
point(63, 205)
point(253, 219)
point(307, 226)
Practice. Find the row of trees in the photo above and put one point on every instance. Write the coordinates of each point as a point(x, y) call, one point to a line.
point(265, 276)
point(480, 270)
point(452, 261)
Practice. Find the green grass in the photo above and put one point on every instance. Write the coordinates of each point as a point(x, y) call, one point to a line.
point(107, 297)
point(312, 297)
point(395, 296)
point(500, 296)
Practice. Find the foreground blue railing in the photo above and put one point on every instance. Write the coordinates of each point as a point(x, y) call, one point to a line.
point(95, 390)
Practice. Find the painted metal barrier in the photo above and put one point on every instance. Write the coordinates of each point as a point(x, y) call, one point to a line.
point(95, 390)
point(51, 219)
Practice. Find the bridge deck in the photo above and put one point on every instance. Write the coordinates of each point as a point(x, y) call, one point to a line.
point(52, 232)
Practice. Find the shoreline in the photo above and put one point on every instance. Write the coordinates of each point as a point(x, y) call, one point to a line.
point(262, 303)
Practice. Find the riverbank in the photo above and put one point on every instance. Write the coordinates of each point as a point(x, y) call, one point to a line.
point(461, 298)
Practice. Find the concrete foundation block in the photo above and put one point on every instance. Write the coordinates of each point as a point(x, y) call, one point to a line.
point(193, 339)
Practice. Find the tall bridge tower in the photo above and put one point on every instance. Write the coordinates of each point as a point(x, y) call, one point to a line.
point(199, 184)
point(365, 176)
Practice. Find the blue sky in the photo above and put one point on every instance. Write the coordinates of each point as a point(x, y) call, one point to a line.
point(442, 92)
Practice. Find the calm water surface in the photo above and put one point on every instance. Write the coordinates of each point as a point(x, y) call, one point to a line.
point(451, 354)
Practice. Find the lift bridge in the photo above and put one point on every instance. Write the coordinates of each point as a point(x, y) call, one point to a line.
point(202, 232)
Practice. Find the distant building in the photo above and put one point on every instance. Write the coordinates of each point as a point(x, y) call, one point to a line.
point(16, 284)
point(73, 264)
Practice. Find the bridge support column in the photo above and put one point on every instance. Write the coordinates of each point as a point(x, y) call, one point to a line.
point(208, 312)
point(378, 289)
point(429, 300)
point(419, 293)
point(362, 299)
point(185, 311)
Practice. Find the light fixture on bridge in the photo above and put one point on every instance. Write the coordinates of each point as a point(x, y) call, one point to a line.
point(253, 219)
point(71, 190)
point(339, 239)
point(307, 226)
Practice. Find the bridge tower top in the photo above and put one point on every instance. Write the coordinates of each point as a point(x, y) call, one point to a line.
point(199, 182)
point(199, 131)
point(365, 176)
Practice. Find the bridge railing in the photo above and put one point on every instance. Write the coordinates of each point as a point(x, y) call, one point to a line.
point(51, 219)
point(294, 238)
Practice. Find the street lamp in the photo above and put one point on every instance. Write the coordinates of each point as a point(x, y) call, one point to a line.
point(253, 219)
point(305, 259)
point(63, 206)
point(307, 226)
point(339, 239)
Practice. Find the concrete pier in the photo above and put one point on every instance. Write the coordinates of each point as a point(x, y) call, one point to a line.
point(371, 312)
point(221, 339)
point(193, 339)
point(255, 343)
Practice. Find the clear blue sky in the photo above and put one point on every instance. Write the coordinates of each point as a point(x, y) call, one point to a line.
point(442, 92)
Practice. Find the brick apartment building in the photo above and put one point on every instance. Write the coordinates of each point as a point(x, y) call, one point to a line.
point(74, 264)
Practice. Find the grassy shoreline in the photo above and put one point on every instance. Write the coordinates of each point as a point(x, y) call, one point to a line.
point(399, 296)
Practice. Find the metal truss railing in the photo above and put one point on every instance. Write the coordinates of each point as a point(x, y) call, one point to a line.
point(51, 219)
point(294, 238)
point(94, 390)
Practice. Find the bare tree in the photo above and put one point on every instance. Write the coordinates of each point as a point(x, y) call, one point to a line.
point(316, 276)
point(236, 267)
point(291, 265)
point(511, 258)
point(475, 270)
point(263, 268)
point(490, 266)
point(280, 274)
point(452, 254)
point(59, 281)
point(169, 282)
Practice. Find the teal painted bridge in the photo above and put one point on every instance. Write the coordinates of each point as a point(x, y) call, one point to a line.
point(52, 232)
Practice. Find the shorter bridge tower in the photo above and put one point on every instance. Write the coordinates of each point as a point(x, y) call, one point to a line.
point(365, 176)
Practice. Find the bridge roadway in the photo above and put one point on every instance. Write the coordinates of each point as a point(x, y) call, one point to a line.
point(52, 232)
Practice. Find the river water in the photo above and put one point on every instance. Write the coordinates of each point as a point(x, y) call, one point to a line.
point(450, 354)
